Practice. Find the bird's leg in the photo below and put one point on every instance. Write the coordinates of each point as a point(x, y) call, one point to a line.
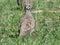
point(31, 32)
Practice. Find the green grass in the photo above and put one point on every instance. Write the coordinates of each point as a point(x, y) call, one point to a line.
point(47, 32)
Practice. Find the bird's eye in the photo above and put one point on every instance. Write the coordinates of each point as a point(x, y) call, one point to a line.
point(29, 5)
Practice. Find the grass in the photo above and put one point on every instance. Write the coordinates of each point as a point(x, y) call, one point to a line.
point(47, 31)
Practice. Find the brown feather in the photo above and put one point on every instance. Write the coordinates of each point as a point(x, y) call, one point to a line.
point(27, 24)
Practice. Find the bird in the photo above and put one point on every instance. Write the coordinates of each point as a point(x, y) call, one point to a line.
point(27, 24)
point(23, 3)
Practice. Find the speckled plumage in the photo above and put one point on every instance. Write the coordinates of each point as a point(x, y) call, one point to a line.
point(24, 2)
point(27, 24)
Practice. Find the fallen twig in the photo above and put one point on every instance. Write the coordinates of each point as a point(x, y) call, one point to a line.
point(39, 11)
point(54, 11)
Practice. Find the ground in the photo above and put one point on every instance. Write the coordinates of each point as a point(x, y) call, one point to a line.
point(47, 29)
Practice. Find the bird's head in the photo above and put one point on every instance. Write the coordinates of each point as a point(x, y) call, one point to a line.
point(27, 7)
